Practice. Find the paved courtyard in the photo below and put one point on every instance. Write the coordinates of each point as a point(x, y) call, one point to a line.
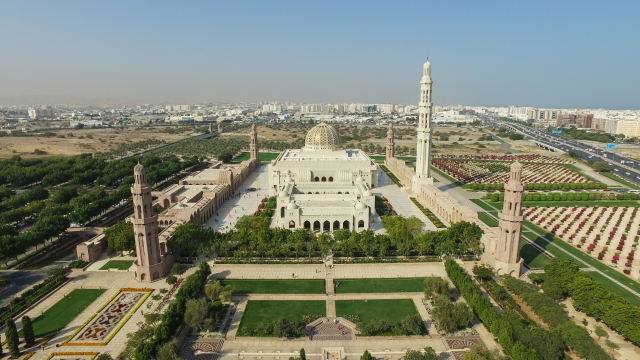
point(245, 204)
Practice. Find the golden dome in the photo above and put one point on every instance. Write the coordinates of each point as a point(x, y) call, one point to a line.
point(322, 137)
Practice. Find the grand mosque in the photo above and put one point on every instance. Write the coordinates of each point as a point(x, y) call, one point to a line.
point(323, 186)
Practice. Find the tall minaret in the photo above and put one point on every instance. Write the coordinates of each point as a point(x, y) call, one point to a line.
point(423, 152)
point(390, 143)
point(507, 247)
point(145, 228)
point(253, 147)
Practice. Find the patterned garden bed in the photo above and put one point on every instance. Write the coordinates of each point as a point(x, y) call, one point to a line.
point(102, 326)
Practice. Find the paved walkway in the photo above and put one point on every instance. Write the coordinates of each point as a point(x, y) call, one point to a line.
point(246, 204)
point(399, 199)
point(340, 271)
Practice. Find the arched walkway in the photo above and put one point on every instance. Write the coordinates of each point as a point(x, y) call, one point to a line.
point(326, 227)
point(336, 225)
point(307, 225)
point(316, 226)
point(292, 224)
point(345, 225)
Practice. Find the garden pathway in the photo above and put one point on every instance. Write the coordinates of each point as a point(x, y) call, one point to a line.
point(340, 271)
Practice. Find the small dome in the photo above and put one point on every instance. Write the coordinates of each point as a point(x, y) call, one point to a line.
point(359, 179)
point(138, 169)
point(283, 194)
point(360, 206)
point(516, 166)
point(292, 206)
point(368, 193)
point(322, 137)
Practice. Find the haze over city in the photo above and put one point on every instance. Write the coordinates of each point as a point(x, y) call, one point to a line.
point(542, 54)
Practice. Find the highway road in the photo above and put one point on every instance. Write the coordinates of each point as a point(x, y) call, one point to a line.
point(623, 167)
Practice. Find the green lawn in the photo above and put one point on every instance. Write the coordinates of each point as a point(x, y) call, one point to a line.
point(264, 157)
point(258, 311)
point(276, 286)
point(487, 219)
point(532, 256)
point(619, 179)
point(392, 285)
point(117, 264)
point(390, 310)
point(61, 313)
point(454, 181)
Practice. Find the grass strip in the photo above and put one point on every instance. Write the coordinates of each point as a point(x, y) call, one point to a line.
point(257, 286)
point(117, 264)
point(264, 311)
point(384, 285)
point(390, 310)
point(64, 311)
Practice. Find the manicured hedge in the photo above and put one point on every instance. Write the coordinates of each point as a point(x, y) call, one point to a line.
point(594, 299)
point(520, 339)
point(543, 186)
point(434, 219)
point(173, 317)
point(553, 314)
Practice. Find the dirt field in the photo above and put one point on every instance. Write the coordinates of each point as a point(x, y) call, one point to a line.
point(100, 140)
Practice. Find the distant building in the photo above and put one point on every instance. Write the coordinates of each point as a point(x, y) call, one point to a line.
point(180, 107)
point(580, 121)
point(47, 113)
point(543, 117)
point(630, 128)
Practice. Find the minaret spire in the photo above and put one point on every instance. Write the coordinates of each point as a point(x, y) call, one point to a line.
point(253, 146)
point(423, 150)
point(390, 142)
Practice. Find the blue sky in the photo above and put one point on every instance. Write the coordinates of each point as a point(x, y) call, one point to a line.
point(495, 53)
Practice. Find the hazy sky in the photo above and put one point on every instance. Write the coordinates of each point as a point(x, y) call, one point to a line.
point(496, 53)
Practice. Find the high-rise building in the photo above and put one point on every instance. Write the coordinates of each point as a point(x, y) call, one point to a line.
point(580, 121)
point(47, 113)
point(423, 151)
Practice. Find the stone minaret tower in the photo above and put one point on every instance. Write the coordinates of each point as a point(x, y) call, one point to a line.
point(220, 131)
point(145, 228)
point(507, 247)
point(253, 147)
point(390, 143)
point(423, 152)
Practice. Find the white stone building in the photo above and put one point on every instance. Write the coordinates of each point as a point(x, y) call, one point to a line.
point(323, 187)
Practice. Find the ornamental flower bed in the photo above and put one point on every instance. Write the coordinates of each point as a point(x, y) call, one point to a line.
point(523, 158)
point(606, 233)
point(494, 172)
point(431, 216)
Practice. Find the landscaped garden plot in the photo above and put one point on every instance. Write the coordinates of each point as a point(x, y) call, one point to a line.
point(275, 286)
point(487, 219)
point(523, 158)
point(609, 233)
point(494, 172)
point(64, 311)
point(367, 310)
point(117, 264)
point(267, 311)
point(392, 285)
point(103, 325)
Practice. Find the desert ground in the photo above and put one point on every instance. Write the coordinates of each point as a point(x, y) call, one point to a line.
point(74, 141)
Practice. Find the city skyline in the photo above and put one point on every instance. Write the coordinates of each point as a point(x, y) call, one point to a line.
point(569, 55)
